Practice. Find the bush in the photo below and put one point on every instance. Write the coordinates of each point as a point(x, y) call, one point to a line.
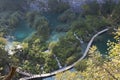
point(81, 66)
point(67, 16)
point(57, 6)
point(11, 5)
point(62, 28)
point(14, 19)
point(91, 8)
point(70, 60)
point(39, 23)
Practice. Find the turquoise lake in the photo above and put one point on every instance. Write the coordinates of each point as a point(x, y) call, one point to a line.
point(22, 31)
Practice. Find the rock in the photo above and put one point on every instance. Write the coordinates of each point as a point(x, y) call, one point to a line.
point(18, 46)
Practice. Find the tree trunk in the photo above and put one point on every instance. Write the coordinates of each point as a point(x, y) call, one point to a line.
point(11, 74)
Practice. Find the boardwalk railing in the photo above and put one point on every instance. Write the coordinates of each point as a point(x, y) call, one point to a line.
point(31, 76)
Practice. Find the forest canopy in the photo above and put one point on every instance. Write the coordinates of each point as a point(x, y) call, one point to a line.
point(11, 5)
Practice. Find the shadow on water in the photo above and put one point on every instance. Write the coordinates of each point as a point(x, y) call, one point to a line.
point(101, 42)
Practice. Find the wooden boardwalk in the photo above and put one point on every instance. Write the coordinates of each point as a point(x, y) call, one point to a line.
point(32, 76)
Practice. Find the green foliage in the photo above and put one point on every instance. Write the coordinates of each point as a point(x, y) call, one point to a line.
point(91, 8)
point(9, 21)
point(52, 45)
point(34, 58)
point(85, 26)
point(68, 75)
point(96, 22)
point(114, 16)
point(81, 66)
point(67, 16)
point(66, 50)
point(108, 7)
point(2, 42)
point(97, 66)
point(50, 64)
point(14, 19)
point(30, 67)
point(39, 23)
point(63, 28)
point(57, 6)
point(11, 5)
point(4, 61)
point(73, 58)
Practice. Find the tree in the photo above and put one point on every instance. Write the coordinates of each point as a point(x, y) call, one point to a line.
point(3, 42)
point(68, 75)
point(13, 5)
point(67, 16)
point(57, 6)
point(98, 66)
point(14, 19)
point(91, 8)
point(81, 66)
point(11, 74)
point(40, 23)
point(107, 7)
point(4, 61)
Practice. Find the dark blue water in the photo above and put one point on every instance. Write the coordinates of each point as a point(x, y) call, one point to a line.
point(22, 31)
point(101, 42)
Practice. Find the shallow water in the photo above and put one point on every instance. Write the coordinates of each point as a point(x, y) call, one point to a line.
point(55, 36)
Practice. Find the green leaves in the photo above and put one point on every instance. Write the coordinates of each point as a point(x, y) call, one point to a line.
point(67, 16)
point(81, 66)
point(39, 23)
point(57, 6)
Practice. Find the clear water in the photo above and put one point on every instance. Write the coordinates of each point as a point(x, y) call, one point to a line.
point(55, 36)
point(101, 42)
point(22, 31)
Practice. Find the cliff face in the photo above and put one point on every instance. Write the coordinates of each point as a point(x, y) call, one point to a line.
point(37, 5)
point(11, 5)
point(42, 5)
point(77, 4)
